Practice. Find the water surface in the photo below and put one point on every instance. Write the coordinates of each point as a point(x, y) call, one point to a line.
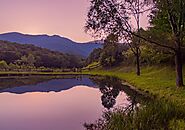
point(59, 103)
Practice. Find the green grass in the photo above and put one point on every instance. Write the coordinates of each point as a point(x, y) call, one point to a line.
point(154, 115)
point(157, 80)
point(92, 66)
point(167, 111)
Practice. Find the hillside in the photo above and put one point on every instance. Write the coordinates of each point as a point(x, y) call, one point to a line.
point(14, 53)
point(55, 43)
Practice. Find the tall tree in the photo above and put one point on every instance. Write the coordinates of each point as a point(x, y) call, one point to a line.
point(112, 16)
point(135, 8)
point(169, 18)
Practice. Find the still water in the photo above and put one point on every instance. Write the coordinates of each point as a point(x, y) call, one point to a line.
point(38, 103)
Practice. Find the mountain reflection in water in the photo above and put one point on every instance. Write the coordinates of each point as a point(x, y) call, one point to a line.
point(59, 103)
point(55, 85)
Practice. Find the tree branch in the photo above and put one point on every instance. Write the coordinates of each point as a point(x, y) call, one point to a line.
point(150, 41)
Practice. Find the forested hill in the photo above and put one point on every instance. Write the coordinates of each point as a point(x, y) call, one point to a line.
point(55, 43)
point(31, 55)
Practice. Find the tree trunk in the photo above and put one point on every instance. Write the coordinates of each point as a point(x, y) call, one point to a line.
point(178, 68)
point(138, 70)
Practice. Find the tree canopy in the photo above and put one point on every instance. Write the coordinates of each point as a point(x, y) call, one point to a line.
point(167, 18)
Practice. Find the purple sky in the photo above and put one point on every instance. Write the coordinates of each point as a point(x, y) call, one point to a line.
point(62, 17)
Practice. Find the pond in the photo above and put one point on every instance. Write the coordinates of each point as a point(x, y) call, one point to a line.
point(59, 103)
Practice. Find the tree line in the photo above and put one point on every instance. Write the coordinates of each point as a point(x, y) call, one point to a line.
point(17, 55)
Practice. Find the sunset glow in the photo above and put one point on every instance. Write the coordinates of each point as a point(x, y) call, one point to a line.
point(61, 17)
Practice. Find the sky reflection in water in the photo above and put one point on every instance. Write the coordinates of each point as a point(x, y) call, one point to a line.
point(58, 104)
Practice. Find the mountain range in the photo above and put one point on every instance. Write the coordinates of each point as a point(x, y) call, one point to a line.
point(55, 43)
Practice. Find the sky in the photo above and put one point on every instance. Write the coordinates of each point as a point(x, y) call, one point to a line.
point(60, 17)
point(53, 17)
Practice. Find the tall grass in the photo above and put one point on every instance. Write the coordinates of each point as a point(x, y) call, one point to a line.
point(155, 115)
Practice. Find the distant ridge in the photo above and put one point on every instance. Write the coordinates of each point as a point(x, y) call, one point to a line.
point(54, 42)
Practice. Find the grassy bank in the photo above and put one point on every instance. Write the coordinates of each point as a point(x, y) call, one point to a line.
point(166, 113)
point(159, 81)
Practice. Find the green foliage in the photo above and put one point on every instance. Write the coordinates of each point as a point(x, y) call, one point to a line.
point(31, 60)
point(111, 54)
point(153, 56)
point(3, 65)
point(155, 115)
point(94, 56)
point(168, 19)
point(30, 55)
point(177, 125)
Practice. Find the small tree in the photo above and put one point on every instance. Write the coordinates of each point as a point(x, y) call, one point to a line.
point(31, 60)
point(3, 65)
point(23, 60)
point(111, 52)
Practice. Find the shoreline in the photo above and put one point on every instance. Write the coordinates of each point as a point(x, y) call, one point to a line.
point(158, 82)
point(25, 74)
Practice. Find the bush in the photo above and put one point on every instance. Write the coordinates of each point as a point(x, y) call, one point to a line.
point(3, 65)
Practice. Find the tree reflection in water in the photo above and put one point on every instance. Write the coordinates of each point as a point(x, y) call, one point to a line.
point(110, 88)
